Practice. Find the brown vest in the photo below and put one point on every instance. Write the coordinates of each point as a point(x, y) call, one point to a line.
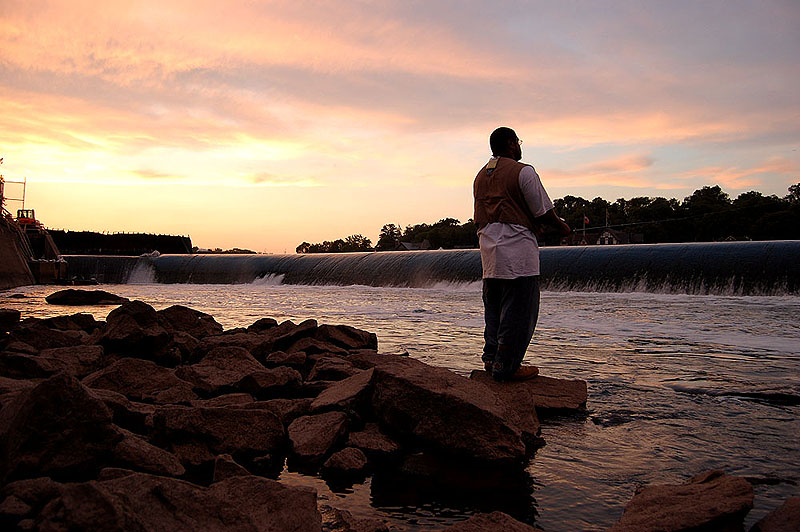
point(498, 197)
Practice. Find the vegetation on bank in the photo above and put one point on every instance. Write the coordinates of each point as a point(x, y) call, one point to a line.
point(707, 215)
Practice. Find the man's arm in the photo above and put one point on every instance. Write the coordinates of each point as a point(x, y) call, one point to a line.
point(552, 219)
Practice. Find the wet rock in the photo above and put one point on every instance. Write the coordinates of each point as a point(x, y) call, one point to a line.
point(262, 325)
point(492, 522)
point(349, 463)
point(351, 394)
point(142, 381)
point(220, 370)
point(226, 467)
point(785, 518)
point(444, 411)
point(72, 296)
point(375, 444)
point(279, 358)
point(197, 435)
point(9, 318)
point(268, 383)
point(55, 429)
point(133, 452)
point(549, 395)
point(711, 501)
point(336, 520)
point(313, 437)
point(146, 502)
point(134, 329)
point(520, 405)
point(313, 346)
point(347, 337)
point(332, 368)
point(178, 318)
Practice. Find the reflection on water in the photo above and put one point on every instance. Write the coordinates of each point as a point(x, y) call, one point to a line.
point(677, 385)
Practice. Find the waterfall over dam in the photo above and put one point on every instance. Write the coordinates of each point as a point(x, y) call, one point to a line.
point(735, 268)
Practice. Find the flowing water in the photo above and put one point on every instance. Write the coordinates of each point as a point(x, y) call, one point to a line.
point(678, 384)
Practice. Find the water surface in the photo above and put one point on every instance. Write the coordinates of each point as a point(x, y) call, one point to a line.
point(678, 385)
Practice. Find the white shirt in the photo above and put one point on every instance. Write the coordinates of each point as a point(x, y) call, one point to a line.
point(509, 251)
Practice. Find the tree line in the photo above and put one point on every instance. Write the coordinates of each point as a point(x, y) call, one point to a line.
point(708, 214)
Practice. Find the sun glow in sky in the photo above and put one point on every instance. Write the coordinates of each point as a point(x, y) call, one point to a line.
point(264, 124)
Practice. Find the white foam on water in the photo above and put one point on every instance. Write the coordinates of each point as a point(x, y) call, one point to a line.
point(143, 273)
point(269, 279)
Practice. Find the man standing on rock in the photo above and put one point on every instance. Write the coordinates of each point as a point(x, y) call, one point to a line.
point(510, 206)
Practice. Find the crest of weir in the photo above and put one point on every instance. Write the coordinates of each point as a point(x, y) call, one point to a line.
point(725, 268)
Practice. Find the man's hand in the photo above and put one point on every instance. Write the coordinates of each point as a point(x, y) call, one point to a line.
point(563, 228)
point(552, 219)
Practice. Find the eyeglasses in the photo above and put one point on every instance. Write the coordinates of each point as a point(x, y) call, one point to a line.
point(519, 141)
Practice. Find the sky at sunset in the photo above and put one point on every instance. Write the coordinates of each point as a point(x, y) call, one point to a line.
point(263, 124)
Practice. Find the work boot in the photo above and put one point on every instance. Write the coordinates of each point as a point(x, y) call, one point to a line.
point(524, 373)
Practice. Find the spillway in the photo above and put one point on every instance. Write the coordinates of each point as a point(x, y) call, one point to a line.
point(735, 268)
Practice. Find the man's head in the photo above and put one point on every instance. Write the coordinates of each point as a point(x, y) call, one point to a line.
point(505, 143)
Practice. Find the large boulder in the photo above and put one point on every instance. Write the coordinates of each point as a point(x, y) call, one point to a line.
point(313, 437)
point(444, 411)
point(547, 394)
point(313, 346)
point(72, 296)
point(39, 336)
point(492, 522)
point(220, 370)
point(349, 463)
point(10, 388)
point(79, 361)
point(56, 429)
point(281, 337)
point(295, 360)
point(351, 394)
point(519, 403)
point(134, 329)
point(133, 452)
point(346, 337)
point(198, 324)
point(286, 409)
point(143, 381)
point(131, 415)
point(711, 501)
point(75, 322)
point(198, 435)
point(785, 518)
point(145, 502)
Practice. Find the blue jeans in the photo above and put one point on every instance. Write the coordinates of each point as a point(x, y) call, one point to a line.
point(511, 309)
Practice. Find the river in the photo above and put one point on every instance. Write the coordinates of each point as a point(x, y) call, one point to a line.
point(678, 384)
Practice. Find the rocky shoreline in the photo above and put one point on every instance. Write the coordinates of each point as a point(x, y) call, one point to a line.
point(163, 420)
